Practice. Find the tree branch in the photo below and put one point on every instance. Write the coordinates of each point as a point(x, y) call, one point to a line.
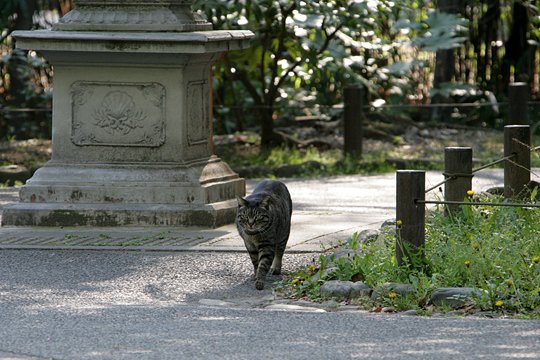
point(273, 87)
point(329, 38)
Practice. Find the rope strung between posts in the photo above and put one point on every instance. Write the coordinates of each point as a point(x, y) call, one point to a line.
point(440, 202)
point(450, 177)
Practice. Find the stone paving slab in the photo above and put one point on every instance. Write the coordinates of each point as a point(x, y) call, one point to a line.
point(327, 210)
point(308, 235)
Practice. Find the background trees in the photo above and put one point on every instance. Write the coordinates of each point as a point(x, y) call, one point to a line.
point(306, 51)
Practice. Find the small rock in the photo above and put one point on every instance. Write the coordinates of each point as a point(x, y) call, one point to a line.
point(388, 223)
point(215, 302)
point(359, 289)
point(336, 288)
point(382, 291)
point(388, 309)
point(290, 307)
point(368, 235)
point(453, 297)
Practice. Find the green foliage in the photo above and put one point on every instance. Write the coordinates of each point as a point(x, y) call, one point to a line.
point(7, 9)
point(305, 52)
point(331, 162)
point(24, 76)
point(493, 249)
point(490, 248)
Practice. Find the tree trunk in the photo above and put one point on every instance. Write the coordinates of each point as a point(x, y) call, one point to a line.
point(445, 63)
point(517, 48)
point(267, 126)
point(25, 14)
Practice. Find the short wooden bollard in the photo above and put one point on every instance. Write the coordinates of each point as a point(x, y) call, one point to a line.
point(457, 165)
point(410, 215)
point(517, 170)
point(518, 96)
point(353, 119)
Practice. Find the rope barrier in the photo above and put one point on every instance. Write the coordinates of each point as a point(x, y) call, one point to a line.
point(6, 110)
point(472, 203)
point(450, 177)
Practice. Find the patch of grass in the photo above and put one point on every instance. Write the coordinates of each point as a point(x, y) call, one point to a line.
point(378, 156)
point(329, 162)
point(8, 183)
point(493, 249)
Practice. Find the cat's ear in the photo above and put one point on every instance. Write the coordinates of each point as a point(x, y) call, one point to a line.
point(265, 203)
point(241, 201)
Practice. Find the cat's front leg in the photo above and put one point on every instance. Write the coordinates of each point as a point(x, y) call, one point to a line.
point(253, 255)
point(266, 256)
point(275, 269)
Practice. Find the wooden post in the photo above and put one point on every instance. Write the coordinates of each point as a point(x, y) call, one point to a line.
point(458, 161)
point(517, 170)
point(353, 119)
point(518, 96)
point(410, 216)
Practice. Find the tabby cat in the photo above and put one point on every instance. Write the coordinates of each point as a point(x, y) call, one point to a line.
point(264, 222)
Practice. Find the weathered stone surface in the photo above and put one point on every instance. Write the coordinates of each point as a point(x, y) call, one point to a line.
point(389, 222)
point(453, 297)
point(368, 235)
point(132, 137)
point(382, 291)
point(360, 289)
point(291, 307)
point(216, 302)
point(133, 15)
point(344, 289)
point(336, 288)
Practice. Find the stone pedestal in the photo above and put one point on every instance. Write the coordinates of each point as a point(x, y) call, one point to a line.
point(131, 120)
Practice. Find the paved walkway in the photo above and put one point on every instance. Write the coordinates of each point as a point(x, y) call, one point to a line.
point(192, 304)
point(326, 210)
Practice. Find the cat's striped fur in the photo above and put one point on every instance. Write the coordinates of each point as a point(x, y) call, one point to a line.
point(264, 222)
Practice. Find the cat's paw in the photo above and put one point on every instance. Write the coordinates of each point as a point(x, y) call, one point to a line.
point(259, 284)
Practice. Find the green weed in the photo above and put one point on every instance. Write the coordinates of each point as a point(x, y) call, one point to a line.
point(493, 249)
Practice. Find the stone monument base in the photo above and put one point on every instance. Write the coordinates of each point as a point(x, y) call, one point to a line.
point(132, 119)
point(196, 194)
point(46, 214)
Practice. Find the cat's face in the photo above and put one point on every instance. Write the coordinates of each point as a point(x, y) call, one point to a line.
point(253, 217)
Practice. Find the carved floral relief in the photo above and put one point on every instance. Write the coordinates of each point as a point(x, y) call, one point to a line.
point(118, 114)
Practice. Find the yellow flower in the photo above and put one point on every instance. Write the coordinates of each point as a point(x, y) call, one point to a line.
point(295, 281)
point(509, 282)
point(470, 192)
point(311, 268)
point(499, 303)
point(399, 222)
point(476, 246)
point(535, 259)
point(467, 263)
point(392, 295)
